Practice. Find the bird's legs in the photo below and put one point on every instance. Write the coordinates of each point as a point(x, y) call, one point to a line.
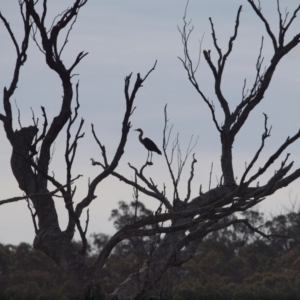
point(149, 155)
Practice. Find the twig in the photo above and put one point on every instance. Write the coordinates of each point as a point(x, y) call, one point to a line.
point(33, 217)
point(190, 180)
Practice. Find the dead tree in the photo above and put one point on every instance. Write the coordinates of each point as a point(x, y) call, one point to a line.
point(181, 223)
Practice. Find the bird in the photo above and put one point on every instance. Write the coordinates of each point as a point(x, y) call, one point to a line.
point(149, 145)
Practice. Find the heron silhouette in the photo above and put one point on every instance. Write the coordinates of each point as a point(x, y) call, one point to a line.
point(149, 145)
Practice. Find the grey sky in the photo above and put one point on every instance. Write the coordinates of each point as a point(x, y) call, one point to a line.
point(128, 36)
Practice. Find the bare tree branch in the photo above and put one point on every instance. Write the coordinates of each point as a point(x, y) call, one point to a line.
point(120, 150)
point(190, 180)
point(257, 10)
point(265, 135)
point(33, 195)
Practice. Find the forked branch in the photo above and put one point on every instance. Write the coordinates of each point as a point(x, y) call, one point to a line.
point(265, 135)
point(181, 161)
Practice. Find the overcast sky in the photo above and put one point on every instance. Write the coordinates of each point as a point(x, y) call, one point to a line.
point(128, 36)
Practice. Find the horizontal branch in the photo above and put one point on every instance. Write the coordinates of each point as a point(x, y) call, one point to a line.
point(154, 195)
point(32, 195)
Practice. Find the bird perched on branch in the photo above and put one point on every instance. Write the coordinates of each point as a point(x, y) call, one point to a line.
point(149, 145)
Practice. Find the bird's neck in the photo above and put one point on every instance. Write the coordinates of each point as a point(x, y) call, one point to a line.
point(140, 137)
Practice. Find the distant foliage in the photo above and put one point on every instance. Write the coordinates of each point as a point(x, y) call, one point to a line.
point(29, 274)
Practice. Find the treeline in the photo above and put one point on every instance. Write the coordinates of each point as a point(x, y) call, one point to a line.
point(233, 263)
